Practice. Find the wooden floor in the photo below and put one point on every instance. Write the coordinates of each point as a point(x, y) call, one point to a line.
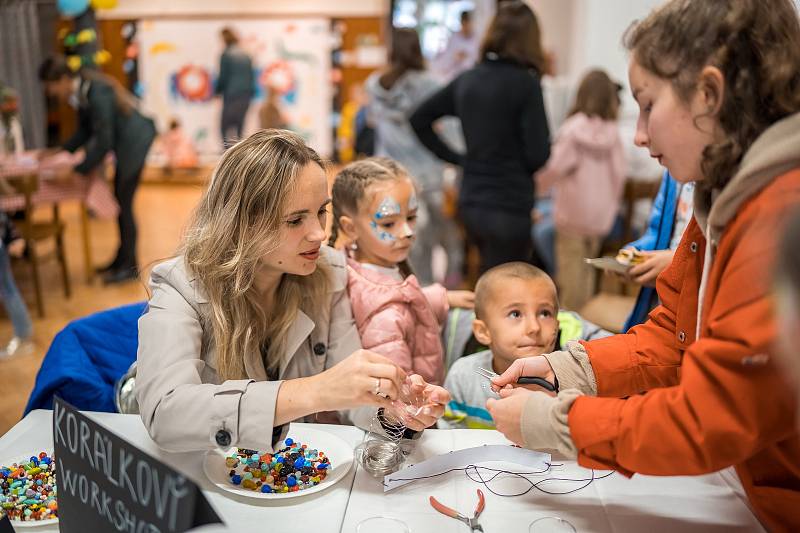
point(162, 211)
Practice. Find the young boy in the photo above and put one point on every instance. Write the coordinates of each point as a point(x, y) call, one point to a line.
point(516, 315)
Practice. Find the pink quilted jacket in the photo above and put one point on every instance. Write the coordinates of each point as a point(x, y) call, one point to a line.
point(399, 319)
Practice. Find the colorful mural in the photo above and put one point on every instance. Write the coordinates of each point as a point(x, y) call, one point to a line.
point(179, 61)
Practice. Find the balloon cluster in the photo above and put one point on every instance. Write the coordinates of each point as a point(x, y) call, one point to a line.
point(73, 8)
point(81, 43)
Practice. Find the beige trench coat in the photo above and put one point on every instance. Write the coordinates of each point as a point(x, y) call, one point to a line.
point(183, 404)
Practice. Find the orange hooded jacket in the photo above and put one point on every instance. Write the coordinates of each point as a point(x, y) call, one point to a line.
point(675, 399)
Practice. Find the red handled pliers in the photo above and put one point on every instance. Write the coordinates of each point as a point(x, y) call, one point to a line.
point(452, 513)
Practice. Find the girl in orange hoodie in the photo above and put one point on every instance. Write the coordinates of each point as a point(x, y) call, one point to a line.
point(696, 388)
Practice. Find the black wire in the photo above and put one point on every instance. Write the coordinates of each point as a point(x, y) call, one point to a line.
point(475, 470)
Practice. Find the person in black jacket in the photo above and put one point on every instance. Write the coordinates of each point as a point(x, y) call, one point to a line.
point(108, 120)
point(501, 108)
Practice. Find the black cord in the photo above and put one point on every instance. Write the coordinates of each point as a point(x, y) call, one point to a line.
point(475, 470)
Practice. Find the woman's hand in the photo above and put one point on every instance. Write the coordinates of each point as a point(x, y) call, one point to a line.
point(464, 299)
point(645, 273)
point(507, 412)
point(420, 404)
point(534, 367)
point(364, 378)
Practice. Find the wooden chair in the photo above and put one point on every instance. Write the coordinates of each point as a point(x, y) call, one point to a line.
point(610, 306)
point(36, 231)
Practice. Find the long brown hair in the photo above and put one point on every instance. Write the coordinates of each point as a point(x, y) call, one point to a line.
point(237, 223)
point(756, 46)
point(350, 190)
point(514, 34)
point(598, 96)
point(405, 55)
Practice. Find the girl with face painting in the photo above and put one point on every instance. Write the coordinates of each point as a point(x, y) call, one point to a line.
point(697, 387)
point(375, 215)
point(249, 328)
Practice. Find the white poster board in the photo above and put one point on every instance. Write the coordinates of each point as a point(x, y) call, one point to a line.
point(179, 63)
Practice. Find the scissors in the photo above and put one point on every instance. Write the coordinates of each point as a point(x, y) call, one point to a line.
point(452, 513)
point(524, 380)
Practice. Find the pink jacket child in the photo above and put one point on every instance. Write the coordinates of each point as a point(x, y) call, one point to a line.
point(178, 149)
point(587, 172)
point(399, 319)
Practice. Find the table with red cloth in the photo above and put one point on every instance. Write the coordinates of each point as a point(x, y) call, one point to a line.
point(57, 184)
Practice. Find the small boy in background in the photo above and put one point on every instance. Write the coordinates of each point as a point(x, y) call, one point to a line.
point(516, 316)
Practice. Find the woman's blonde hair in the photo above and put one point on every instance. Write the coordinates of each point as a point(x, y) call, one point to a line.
point(350, 189)
point(237, 223)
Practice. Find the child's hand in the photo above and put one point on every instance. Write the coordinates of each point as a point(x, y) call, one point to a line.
point(464, 299)
point(420, 405)
point(646, 272)
point(16, 248)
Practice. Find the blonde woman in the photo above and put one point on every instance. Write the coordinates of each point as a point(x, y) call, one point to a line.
point(250, 327)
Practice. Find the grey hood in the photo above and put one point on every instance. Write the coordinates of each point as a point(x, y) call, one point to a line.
point(774, 152)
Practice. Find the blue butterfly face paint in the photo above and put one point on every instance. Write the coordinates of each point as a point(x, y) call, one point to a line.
point(384, 226)
point(387, 208)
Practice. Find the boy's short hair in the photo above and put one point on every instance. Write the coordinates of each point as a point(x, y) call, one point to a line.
point(489, 279)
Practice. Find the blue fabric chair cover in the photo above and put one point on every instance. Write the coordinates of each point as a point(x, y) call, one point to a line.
point(86, 359)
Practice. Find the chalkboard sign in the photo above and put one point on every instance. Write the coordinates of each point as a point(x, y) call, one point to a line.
point(106, 484)
point(5, 525)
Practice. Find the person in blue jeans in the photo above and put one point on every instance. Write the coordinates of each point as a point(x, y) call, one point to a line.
point(12, 243)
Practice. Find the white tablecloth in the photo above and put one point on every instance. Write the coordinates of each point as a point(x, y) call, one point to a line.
point(616, 504)
point(708, 503)
point(241, 514)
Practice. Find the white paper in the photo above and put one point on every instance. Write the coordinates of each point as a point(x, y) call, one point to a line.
point(608, 263)
point(463, 458)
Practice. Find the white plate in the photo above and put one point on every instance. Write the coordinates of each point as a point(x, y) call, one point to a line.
point(33, 523)
point(336, 450)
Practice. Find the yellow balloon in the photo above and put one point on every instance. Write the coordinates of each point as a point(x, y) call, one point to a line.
point(74, 63)
point(86, 36)
point(101, 57)
point(104, 4)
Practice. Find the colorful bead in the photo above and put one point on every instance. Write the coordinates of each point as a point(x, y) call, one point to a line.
point(27, 489)
point(290, 469)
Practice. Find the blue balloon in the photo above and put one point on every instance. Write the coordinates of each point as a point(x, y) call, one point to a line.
point(72, 8)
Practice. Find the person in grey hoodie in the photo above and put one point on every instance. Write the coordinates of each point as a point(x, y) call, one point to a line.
point(393, 95)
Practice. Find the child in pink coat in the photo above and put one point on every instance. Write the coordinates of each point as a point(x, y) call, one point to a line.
point(374, 217)
point(586, 170)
